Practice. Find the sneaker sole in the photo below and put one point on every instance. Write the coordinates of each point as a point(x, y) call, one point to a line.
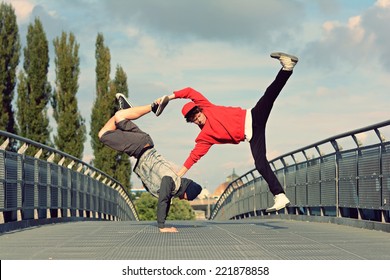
point(277, 55)
point(269, 210)
point(162, 105)
point(124, 98)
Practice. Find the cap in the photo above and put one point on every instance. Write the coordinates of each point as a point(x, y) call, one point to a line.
point(193, 190)
point(187, 108)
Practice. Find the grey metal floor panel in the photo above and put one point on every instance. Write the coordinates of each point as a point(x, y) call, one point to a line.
point(199, 240)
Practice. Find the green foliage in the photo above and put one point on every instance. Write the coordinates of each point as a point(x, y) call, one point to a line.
point(35, 92)
point(9, 60)
point(115, 164)
point(103, 109)
point(181, 210)
point(71, 128)
point(146, 206)
point(21, 104)
point(123, 169)
point(120, 81)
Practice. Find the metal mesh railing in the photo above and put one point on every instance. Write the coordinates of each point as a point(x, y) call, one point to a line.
point(343, 181)
point(53, 184)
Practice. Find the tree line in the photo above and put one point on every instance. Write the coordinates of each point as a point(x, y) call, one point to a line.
point(32, 93)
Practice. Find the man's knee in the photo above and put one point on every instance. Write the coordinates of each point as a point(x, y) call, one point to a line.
point(167, 180)
point(119, 116)
point(101, 132)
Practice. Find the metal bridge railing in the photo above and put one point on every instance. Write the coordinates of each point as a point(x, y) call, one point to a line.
point(344, 182)
point(53, 184)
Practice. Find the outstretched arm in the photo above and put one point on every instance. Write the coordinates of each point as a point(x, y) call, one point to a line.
point(192, 94)
point(189, 93)
point(164, 203)
point(182, 171)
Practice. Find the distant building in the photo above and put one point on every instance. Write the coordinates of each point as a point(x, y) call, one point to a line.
point(222, 187)
point(204, 203)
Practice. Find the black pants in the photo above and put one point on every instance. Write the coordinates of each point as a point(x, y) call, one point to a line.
point(260, 114)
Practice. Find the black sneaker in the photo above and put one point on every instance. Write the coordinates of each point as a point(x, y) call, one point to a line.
point(123, 102)
point(159, 108)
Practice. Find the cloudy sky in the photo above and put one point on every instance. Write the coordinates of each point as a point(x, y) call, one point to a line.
point(221, 48)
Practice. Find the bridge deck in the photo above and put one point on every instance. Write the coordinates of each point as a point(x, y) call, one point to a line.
point(249, 239)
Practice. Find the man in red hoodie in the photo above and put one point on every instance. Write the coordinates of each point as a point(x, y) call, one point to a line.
point(222, 125)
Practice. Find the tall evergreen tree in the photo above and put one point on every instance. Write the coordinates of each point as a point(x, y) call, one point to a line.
point(9, 60)
point(22, 105)
point(121, 81)
point(123, 165)
point(71, 130)
point(32, 103)
point(103, 109)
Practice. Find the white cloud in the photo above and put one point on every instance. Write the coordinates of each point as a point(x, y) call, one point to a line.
point(360, 40)
point(244, 21)
point(23, 9)
point(383, 3)
point(357, 31)
point(132, 31)
point(329, 26)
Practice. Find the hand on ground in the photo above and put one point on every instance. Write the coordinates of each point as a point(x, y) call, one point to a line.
point(168, 229)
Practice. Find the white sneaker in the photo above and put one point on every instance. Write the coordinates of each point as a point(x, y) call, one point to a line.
point(288, 61)
point(281, 201)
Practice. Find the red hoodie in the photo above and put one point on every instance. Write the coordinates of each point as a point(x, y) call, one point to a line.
point(224, 125)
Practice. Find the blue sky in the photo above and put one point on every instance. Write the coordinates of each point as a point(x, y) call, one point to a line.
point(221, 48)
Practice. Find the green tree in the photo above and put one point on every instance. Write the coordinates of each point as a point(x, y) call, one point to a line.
point(146, 206)
point(32, 102)
point(181, 210)
point(71, 130)
point(122, 170)
point(120, 82)
point(22, 105)
point(103, 109)
point(9, 60)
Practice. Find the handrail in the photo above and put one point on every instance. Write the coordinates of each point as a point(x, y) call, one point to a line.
point(338, 136)
point(55, 151)
point(101, 199)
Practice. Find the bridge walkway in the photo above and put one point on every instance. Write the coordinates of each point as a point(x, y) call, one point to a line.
point(248, 239)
